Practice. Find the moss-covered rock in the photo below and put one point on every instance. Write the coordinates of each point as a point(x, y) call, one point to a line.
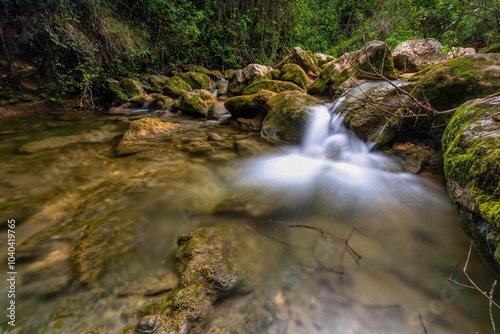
point(144, 134)
point(175, 87)
point(323, 59)
point(471, 145)
point(367, 63)
point(196, 80)
point(305, 59)
point(240, 79)
point(276, 86)
point(450, 84)
point(287, 116)
point(249, 106)
point(157, 82)
point(199, 103)
point(132, 87)
point(295, 74)
point(115, 87)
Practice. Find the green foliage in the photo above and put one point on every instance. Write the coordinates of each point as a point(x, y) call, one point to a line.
point(81, 42)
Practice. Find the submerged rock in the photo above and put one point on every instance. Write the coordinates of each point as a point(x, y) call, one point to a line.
point(471, 145)
point(212, 264)
point(143, 134)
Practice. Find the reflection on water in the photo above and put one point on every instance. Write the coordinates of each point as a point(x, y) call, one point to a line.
point(401, 226)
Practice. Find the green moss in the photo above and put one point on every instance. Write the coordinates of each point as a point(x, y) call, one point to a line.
point(196, 80)
point(271, 85)
point(472, 155)
point(161, 102)
point(295, 74)
point(175, 87)
point(493, 48)
point(117, 89)
point(197, 103)
point(249, 106)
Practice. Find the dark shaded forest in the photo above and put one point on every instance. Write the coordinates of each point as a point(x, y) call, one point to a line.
point(83, 42)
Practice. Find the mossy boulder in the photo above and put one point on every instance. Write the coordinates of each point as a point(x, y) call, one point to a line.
point(323, 59)
point(115, 87)
point(287, 116)
point(276, 86)
point(132, 87)
point(174, 87)
point(157, 82)
point(295, 74)
point(144, 134)
point(199, 103)
point(373, 60)
point(446, 86)
point(196, 80)
point(305, 59)
point(249, 106)
point(240, 79)
point(471, 145)
point(450, 84)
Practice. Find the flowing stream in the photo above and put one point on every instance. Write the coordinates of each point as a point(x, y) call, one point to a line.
point(390, 276)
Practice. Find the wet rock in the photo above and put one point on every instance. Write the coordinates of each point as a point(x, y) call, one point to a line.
point(287, 116)
point(214, 136)
point(368, 111)
point(416, 54)
point(249, 106)
point(198, 103)
point(276, 86)
point(305, 59)
point(161, 102)
point(471, 145)
point(144, 134)
point(414, 157)
point(295, 74)
point(240, 79)
point(249, 123)
point(375, 57)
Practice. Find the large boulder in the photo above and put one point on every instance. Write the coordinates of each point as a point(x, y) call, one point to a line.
point(471, 145)
point(416, 54)
point(199, 103)
point(305, 59)
point(240, 79)
point(287, 116)
point(249, 106)
point(370, 62)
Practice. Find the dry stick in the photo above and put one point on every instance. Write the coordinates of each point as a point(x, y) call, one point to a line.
point(422, 322)
point(474, 286)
